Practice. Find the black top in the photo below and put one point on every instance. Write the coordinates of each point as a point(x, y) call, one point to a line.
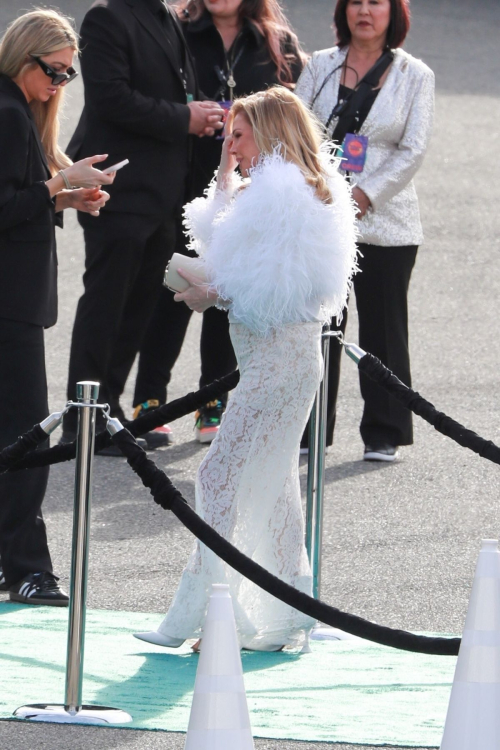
point(251, 66)
point(138, 74)
point(366, 106)
point(28, 262)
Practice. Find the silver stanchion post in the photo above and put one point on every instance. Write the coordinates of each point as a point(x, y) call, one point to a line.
point(73, 711)
point(316, 470)
point(312, 481)
point(316, 478)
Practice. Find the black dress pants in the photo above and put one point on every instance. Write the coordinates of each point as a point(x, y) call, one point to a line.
point(163, 342)
point(126, 255)
point(23, 403)
point(382, 301)
point(381, 290)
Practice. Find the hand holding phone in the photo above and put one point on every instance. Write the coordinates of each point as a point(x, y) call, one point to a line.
point(115, 167)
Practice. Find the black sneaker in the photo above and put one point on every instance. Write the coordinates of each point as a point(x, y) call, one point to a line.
point(380, 453)
point(3, 585)
point(161, 436)
point(207, 421)
point(39, 588)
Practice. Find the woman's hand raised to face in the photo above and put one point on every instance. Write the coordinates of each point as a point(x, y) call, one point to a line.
point(198, 297)
point(228, 162)
point(83, 173)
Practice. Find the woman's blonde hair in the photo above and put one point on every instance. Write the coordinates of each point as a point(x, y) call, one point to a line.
point(37, 34)
point(282, 123)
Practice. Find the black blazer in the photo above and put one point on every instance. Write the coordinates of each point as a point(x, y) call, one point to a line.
point(28, 262)
point(136, 104)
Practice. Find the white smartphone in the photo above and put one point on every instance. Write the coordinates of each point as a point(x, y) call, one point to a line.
point(115, 167)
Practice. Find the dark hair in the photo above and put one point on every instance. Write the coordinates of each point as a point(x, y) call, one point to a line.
point(399, 24)
point(269, 18)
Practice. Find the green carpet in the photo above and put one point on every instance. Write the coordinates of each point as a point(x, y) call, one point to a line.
point(343, 692)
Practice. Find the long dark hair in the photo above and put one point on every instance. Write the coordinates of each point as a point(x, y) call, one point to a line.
point(396, 33)
point(269, 18)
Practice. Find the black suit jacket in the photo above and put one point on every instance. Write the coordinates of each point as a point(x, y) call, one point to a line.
point(28, 262)
point(136, 105)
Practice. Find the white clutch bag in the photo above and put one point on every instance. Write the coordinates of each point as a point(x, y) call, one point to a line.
point(195, 266)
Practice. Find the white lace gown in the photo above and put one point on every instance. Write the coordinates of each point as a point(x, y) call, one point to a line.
point(248, 489)
point(284, 259)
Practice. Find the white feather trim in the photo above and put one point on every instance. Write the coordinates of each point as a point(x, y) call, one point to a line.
point(199, 215)
point(276, 250)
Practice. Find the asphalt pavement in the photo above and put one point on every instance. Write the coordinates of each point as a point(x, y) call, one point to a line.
point(401, 540)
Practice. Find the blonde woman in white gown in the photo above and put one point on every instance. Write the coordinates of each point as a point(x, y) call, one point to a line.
point(279, 251)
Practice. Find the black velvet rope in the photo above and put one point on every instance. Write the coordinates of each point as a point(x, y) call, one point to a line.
point(156, 417)
point(169, 498)
point(375, 370)
point(12, 454)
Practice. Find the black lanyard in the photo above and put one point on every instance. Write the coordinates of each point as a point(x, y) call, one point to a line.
point(227, 78)
point(350, 105)
point(348, 110)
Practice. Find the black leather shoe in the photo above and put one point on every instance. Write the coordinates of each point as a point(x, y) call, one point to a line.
point(39, 588)
point(380, 453)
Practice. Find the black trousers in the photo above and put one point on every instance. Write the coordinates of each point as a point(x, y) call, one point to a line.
point(126, 256)
point(163, 342)
point(381, 290)
point(165, 335)
point(23, 403)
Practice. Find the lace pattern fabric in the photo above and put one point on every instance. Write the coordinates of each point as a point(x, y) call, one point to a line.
point(248, 489)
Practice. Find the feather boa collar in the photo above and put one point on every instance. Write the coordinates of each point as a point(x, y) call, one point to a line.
point(273, 248)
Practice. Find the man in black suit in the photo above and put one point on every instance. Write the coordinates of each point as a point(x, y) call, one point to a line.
point(140, 104)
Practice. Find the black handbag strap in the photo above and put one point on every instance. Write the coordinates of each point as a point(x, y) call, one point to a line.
point(351, 106)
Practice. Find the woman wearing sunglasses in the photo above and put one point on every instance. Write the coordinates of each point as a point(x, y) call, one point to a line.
point(36, 58)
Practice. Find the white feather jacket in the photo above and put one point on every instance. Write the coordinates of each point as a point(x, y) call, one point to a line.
point(272, 248)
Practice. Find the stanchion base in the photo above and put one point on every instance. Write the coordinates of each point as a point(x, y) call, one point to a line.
point(86, 715)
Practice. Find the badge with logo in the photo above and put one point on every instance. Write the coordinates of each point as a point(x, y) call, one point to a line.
point(354, 150)
point(226, 106)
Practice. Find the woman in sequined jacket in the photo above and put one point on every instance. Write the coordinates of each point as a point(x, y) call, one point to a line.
point(396, 119)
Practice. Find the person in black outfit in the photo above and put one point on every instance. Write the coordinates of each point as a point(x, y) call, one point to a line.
point(140, 104)
point(237, 51)
point(36, 57)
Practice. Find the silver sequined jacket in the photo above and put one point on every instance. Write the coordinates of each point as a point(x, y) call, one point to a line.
point(398, 127)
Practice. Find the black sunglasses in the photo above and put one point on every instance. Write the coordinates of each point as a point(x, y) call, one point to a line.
point(58, 79)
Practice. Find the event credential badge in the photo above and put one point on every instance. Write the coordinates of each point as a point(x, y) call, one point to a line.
point(354, 150)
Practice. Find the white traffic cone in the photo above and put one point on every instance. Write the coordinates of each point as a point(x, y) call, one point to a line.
point(219, 717)
point(473, 719)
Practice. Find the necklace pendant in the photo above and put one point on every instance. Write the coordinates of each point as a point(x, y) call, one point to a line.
point(231, 82)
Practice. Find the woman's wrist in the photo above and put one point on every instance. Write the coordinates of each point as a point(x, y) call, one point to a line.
point(63, 200)
point(55, 185)
point(223, 179)
point(67, 183)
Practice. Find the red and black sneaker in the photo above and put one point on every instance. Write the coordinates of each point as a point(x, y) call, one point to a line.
point(159, 437)
point(207, 421)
